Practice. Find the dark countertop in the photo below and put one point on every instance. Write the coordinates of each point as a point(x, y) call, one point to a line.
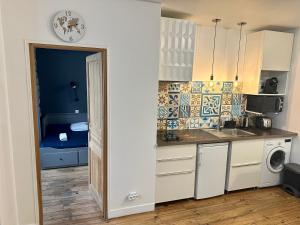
point(200, 136)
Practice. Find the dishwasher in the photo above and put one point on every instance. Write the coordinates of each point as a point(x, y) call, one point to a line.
point(211, 170)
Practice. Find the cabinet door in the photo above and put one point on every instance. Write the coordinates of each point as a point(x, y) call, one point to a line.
point(204, 53)
point(177, 49)
point(231, 57)
point(277, 51)
point(211, 171)
point(252, 66)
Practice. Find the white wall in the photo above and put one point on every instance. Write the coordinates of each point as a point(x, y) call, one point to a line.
point(130, 30)
point(8, 213)
point(290, 119)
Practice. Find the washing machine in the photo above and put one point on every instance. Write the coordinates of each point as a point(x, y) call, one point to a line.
point(276, 154)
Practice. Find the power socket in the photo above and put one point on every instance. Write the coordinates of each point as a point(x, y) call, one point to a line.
point(133, 196)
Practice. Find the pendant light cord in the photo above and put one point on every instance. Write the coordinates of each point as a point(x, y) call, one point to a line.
point(239, 50)
point(214, 49)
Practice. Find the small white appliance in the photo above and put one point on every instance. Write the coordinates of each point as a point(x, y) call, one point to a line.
point(211, 170)
point(276, 154)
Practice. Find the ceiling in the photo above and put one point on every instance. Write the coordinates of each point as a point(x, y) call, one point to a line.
point(259, 14)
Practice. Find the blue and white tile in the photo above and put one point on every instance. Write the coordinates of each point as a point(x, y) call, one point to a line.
point(236, 110)
point(174, 99)
point(211, 105)
point(197, 87)
point(172, 124)
point(236, 99)
point(184, 99)
point(173, 112)
point(194, 123)
point(227, 87)
point(174, 87)
point(184, 111)
point(162, 112)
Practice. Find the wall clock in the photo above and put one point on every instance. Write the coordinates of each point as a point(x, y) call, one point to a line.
point(69, 26)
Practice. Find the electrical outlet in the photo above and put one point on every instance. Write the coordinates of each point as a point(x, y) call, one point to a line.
point(133, 196)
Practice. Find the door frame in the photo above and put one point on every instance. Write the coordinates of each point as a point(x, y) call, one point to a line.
point(32, 64)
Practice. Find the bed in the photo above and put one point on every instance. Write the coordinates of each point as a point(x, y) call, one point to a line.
point(57, 154)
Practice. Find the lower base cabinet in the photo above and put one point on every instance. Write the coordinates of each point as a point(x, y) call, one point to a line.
point(175, 172)
point(244, 164)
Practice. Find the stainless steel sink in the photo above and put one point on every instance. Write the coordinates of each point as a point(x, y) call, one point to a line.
point(227, 133)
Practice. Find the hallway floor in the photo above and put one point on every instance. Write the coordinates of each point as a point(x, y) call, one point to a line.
point(66, 198)
point(67, 202)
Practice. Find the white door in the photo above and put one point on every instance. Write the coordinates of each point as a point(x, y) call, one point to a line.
point(96, 107)
point(211, 170)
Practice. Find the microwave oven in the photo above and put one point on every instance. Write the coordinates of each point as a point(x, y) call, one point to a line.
point(264, 103)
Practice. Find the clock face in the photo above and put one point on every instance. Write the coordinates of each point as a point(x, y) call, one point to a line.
point(69, 26)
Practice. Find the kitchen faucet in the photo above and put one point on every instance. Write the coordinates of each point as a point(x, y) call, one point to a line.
point(220, 122)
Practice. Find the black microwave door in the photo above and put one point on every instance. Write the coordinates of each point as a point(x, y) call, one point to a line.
point(255, 103)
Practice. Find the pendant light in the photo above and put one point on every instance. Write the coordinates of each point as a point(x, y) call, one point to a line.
point(241, 24)
point(216, 21)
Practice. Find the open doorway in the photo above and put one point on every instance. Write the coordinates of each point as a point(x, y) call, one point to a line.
point(69, 93)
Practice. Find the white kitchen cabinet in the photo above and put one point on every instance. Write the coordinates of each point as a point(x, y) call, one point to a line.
point(177, 49)
point(175, 172)
point(268, 54)
point(204, 53)
point(227, 44)
point(244, 164)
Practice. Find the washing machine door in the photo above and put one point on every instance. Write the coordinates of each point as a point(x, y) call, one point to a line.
point(276, 159)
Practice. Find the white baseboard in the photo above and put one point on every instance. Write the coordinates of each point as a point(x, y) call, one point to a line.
point(131, 210)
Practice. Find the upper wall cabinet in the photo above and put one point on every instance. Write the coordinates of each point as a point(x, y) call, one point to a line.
point(177, 49)
point(268, 54)
point(227, 45)
point(204, 53)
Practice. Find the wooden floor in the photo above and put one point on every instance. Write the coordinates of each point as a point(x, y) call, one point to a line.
point(67, 202)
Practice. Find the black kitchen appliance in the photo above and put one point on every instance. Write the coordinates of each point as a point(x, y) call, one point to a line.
point(270, 86)
point(263, 122)
point(264, 103)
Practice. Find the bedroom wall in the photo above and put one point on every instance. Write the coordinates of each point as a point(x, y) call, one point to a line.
point(55, 70)
point(130, 31)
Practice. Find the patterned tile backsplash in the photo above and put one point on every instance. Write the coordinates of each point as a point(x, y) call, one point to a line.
point(194, 105)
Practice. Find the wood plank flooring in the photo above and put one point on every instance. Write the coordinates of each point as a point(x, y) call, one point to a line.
point(67, 202)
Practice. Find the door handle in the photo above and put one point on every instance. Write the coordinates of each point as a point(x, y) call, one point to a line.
point(175, 159)
point(175, 173)
point(246, 164)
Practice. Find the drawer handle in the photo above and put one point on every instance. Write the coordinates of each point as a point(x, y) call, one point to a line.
point(246, 164)
point(175, 159)
point(175, 173)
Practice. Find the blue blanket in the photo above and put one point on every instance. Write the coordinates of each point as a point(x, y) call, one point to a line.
point(75, 139)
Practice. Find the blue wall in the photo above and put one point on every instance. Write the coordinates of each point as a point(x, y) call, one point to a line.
point(55, 70)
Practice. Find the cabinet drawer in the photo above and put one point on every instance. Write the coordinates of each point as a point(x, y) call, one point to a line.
point(175, 164)
point(61, 159)
point(175, 186)
point(243, 177)
point(176, 151)
point(246, 152)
